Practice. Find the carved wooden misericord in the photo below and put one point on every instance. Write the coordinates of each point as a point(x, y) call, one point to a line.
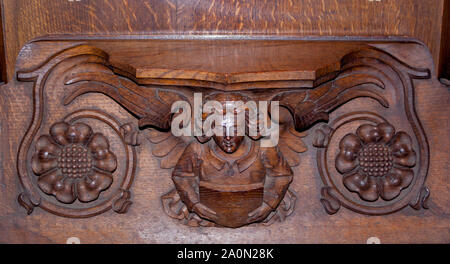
point(355, 99)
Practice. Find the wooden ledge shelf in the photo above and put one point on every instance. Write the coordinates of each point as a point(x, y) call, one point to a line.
point(223, 64)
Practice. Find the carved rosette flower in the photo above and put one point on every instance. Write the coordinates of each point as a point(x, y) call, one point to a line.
point(376, 161)
point(73, 162)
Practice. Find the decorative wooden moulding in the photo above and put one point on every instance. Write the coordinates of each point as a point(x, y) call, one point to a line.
point(355, 99)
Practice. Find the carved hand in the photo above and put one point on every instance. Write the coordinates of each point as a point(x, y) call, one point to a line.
point(203, 211)
point(259, 213)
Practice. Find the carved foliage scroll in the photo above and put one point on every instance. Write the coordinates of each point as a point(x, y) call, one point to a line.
point(71, 168)
point(368, 163)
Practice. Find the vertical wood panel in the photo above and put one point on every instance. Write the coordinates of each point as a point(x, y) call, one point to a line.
point(25, 20)
point(2, 49)
point(444, 59)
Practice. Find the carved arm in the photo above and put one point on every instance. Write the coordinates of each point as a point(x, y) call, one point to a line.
point(278, 177)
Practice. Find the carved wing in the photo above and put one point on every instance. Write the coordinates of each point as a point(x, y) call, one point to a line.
point(151, 105)
point(167, 147)
point(353, 81)
point(291, 144)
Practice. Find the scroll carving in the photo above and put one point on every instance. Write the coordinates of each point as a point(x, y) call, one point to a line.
point(75, 165)
point(78, 173)
point(228, 181)
point(377, 168)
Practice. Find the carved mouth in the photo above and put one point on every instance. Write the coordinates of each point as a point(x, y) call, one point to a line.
point(228, 147)
point(228, 144)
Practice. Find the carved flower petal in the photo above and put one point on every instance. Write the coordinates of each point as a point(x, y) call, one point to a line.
point(78, 133)
point(57, 185)
point(99, 146)
point(45, 157)
point(393, 183)
point(41, 166)
point(371, 134)
point(67, 193)
point(402, 150)
point(108, 163)
point(365, 186)
point(368, 133)
point(45, 144)
point(386, 131)
point(349, 147)
point(47, 181)
point(90, 188)
point(58, 132)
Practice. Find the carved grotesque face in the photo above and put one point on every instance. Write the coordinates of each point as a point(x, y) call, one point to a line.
point(227, 143)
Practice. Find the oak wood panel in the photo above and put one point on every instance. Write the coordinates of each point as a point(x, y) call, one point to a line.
point(2, 50)
point(444, 60)
point(25, 20)
point(145, 221)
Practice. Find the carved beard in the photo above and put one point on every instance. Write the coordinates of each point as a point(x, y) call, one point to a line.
point(229, 144)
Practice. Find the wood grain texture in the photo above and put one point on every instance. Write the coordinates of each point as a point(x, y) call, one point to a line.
point(444, 60)
point(2, 51)
point(25, 20)
point(146, 222)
